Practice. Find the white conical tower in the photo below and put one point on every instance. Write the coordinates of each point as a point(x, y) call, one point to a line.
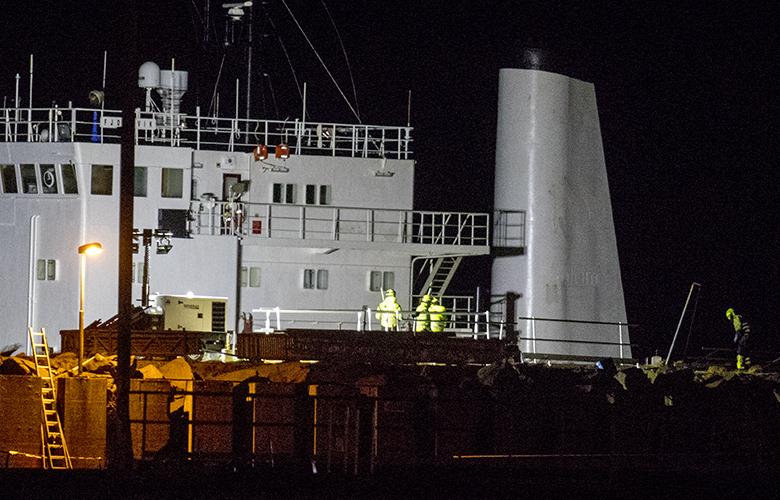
point(550, 165)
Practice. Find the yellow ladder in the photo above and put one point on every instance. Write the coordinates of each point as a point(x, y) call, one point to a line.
point(56, 450)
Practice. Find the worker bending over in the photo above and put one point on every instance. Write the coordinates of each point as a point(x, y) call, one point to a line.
point(422, 322)
point(436, 315)
point(742, 329)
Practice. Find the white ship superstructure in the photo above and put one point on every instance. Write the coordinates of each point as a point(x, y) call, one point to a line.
point(269, 214)
point(305, 225)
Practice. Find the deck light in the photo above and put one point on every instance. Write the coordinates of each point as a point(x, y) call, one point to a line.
point(91, 249)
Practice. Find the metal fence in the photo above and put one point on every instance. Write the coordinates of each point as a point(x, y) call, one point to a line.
point(267, 220)
point(204, 132)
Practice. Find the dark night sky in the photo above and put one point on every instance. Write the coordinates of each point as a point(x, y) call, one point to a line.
point(687, 95)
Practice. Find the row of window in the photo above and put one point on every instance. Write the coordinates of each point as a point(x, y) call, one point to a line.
point(172, 185)
point(315, 195)
point(47, 269)
point(45, 178)
point(312, 278)
point(48, 178)
point(318, 279)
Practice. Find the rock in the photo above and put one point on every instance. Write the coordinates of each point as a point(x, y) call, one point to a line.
point(151, 371)
point(178, 369)
point(277, 373)
point(18, 365)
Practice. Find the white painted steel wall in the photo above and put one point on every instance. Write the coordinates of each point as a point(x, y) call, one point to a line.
point(550, 163)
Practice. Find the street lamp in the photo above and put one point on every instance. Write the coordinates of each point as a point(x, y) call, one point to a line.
point(89, 248)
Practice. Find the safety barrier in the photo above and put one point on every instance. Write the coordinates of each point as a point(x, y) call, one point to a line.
point(70, 124)
point(267, 220)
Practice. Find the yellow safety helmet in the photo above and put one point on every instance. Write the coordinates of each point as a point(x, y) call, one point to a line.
point(729, 313)
point(390, 293)
point(434, 300)
point(426, 298)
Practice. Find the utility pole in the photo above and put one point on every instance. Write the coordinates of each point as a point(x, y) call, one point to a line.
point(121, 450)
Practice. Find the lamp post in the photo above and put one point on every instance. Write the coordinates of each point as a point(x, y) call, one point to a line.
point(89, 248)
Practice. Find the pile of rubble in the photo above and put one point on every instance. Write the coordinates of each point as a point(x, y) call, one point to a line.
point(183, 368)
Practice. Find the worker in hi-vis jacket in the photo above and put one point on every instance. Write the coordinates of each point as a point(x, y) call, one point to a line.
point(422, 322)
point(388, 312)
point(741, 337)
point(436, 315)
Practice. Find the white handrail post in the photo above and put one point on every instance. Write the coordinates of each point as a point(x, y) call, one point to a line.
point(302, 228)
point(268, 221)
point(278, 319)
point(334, 232)
point(197, 128)
point(298, 135)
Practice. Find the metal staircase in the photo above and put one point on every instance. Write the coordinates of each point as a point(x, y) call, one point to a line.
point(56, 451)
point(442, 269)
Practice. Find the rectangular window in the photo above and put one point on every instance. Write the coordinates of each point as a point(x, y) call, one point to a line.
point(322, 279)
point(388, 280)
point(380, 280)
point(102, 179)
point(140, 182)
point(244, 277)
point(325, 193)
point(311, 194)
point(41, 269)
point(308, 278)
point(29, 179)
point(9, 178)
point(172, 183)
point(290, 193)
point(48, 179)
point(285, 193)
point(69, 184)
point(51, 269)
point(254, 277)
point(278, 194)
point(375, 281)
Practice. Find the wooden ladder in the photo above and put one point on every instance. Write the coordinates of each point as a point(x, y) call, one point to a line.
point(56, 451)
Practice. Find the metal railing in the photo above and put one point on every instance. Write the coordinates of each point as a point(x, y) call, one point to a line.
point(270, 319)
point(509, 228)
point(204, 132)
point(267, 220)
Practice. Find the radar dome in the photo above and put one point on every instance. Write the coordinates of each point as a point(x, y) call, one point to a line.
point(149, 75)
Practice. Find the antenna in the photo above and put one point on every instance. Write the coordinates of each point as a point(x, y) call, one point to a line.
point(235, 13)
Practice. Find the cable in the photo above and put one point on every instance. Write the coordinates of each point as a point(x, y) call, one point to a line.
point(214, 95)
point(344, 50)
point(286, 55)
point(284, 2)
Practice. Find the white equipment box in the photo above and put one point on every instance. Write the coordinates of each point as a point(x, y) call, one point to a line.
point(199, 314)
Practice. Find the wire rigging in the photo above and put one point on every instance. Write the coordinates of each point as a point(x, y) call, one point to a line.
point(284, 2)
point(212, 105)
point(346, 58)
point(286, 55)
